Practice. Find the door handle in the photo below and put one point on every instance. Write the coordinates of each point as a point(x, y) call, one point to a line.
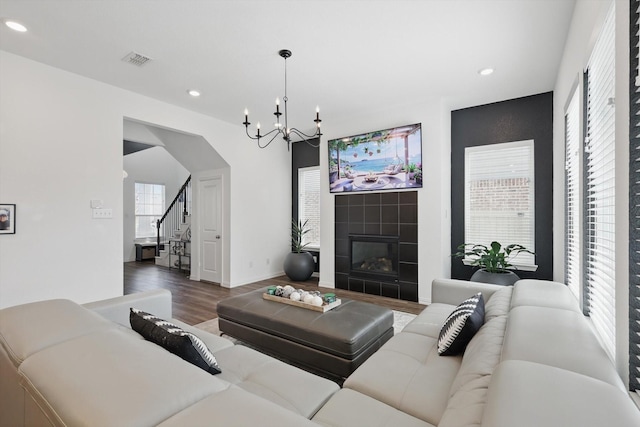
point(218, 236)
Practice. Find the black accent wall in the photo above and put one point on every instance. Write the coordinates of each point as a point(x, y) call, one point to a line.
point(518, 119)
point(303, 155)
point(386, 213)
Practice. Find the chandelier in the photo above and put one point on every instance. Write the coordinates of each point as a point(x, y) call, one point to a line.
point(282, 128)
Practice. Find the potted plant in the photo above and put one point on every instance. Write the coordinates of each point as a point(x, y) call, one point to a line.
point(411, 171)
point(493, 261)
point(418, 175)
point(299, 264)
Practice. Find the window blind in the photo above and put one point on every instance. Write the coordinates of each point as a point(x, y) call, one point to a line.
point(634, 202)
point(499, 195)
point(599, 203)
point(149, 208)
point(309, 203)
point(572, 199)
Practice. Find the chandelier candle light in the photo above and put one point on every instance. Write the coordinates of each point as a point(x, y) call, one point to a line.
point(280, 128)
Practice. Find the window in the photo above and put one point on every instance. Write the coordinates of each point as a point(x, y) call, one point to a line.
point(149, 208)
point(309, 203)
point(499, 194)
point(572, 196)
point(599, 186)
point(634, 205)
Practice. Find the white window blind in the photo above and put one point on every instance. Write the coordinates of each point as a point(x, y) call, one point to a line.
point(599, 203)
point(573, 275)
point(149, 208)
point(634, 205)
point(499, 195)
point(309, 203)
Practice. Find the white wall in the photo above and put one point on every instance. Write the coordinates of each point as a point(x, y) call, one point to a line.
point(61, 146)
point(433, 199)
point(586, 25)
point(152, 166)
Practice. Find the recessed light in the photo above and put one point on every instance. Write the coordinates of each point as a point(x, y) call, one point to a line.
point(193, 93)
point(16, 26)
point(485, 71)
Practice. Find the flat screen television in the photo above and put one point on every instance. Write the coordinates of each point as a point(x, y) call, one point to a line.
point(388, 159)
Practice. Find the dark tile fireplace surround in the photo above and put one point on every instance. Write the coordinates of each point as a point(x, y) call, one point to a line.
point(376, 244)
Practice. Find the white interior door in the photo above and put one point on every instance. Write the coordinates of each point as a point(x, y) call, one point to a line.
point(210, 220)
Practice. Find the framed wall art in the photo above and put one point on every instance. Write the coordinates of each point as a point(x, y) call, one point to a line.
point(7, 219)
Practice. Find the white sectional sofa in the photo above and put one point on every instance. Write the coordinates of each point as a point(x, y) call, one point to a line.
point(534, 362)
point(63, 364)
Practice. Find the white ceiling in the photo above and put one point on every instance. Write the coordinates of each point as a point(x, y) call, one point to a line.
point(352, 58)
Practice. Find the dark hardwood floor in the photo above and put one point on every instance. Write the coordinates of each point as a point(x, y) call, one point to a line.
point(195, 302)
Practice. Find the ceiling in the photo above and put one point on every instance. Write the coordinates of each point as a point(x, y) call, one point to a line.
point(350, 57)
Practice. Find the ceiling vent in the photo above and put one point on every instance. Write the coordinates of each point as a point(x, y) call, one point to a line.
point(136, 59)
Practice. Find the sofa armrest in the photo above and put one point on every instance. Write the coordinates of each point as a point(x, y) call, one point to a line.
point(454, 291)
point(156, 302)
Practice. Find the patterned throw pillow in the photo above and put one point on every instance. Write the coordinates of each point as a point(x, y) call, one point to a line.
point(461, 325)
point(174, 339)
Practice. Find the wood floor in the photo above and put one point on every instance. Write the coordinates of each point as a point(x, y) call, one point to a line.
point(195, 302)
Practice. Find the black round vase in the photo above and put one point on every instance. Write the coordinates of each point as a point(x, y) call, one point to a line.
point(507, 278)
point(299, 266)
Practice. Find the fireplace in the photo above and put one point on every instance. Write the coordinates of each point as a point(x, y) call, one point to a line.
point(374, 257)
point(386, 223)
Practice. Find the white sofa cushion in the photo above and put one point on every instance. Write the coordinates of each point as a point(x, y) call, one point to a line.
point(482, 354)
point(349, 408)
point(560, 338)
point(264, 376)
point(543, 293)
point(469, 389)
point(113, 379)
point(466, 407)
point(29, 328)
point(408, 374)
point(235, 407)
point(429, 321)
point(499, 304)
point(527, 394)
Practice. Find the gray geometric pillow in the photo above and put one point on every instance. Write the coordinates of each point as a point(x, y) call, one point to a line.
point(175, 339)
point(461, 325)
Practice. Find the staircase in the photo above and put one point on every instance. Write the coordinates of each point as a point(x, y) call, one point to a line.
point(174, 231)
point(176, 252)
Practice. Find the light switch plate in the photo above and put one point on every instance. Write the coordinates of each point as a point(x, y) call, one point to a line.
point(102, 213)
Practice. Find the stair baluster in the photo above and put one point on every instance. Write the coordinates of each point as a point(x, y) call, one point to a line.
point(176, 214)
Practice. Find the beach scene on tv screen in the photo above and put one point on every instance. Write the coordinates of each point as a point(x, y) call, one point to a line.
point(387, 159)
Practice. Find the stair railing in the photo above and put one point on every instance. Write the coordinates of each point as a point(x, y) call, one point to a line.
point(175, 215)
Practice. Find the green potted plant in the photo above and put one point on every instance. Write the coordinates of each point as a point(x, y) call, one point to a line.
point(411, 171)
point(493, 261)
point(299, 264)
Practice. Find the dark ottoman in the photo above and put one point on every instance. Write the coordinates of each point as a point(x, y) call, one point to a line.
point(332, 344)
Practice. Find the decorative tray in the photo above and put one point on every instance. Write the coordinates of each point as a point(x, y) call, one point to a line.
point(321, 308)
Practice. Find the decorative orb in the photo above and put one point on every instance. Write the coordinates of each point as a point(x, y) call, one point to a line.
point(308, 298)
point(279, 291)
point(302, 294)
point(289, 288)
point(295, 296)
point(317, 301)
point(286, 292)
